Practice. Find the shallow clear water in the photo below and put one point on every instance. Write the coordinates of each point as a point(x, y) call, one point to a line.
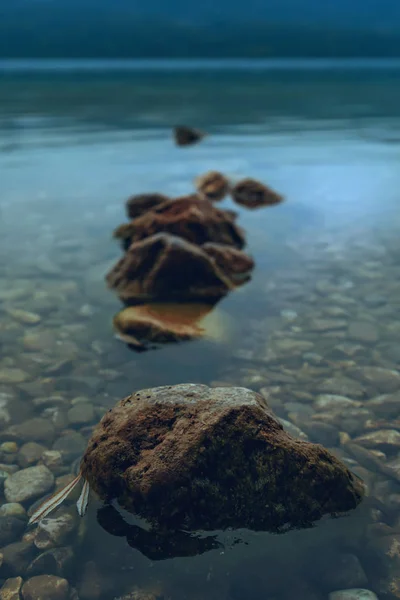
point(73, 146)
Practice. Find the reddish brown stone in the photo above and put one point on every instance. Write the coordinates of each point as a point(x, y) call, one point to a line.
point(234, 263)
point(187, 136)
point(214, 185)
point(192, 218)
point(254, 194)
point(141, 203)
point(167, 268)
point(200, 458)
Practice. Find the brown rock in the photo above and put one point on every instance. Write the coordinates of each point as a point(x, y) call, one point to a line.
point(214, 185)
point(194, 457)
point(45, 587)
point(192, 218)
point(11, 589)
point(254, 194)
point(161, 323)
point(167, 268)
point(234, 263)
point(187, 136)
point(141, 203)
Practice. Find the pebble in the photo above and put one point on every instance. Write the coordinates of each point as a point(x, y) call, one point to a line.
point(363, 331)
point(72, 445)
point(380, 439)
point(55, 531)
point(28, 484)
point(342, 386)
point(11, 528)
point(57, 561)
point(386, 405)
point(345, 570)
point(332, 402)
point(13, 509)
point(33, 430)
point(30, 454)
point(12, 375)
point(354, 594)
point(17, 557)
point(45, 587)
point(11, 590)
point(384, 381)
point(321, 433)
point(327, 324)
point(293, 429)
point(81, 414)
point(9, 447)
point(24, 316)
point(53, 459)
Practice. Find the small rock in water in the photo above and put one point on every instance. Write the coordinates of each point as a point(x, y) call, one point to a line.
point(16, 558)
point(33, 430)
point(55, 531)
point(11, 528)
point(354, 594)
point(345, 570)
point(46, 587)
point(327, 324)
point(363, 331)
point(57, 561)
point(342, 386)
point(30, 454)
point(13, 509)
point(388, 439)
point(23, 316)
point(9, 447)
point(11, 589)
point(71, 445)
point(28, 484)
point(10, 375)
point(384, 381)
point(81, 414)
point(332, 402)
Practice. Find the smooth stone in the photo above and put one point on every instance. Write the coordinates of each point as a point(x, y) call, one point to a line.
point(55, 531)
point(33, 430)
point(17, 557)
point(81, 414)
point(72, 445)
point(11, 528)
point(45, 587)
point(293, 429)
point(29, 454)
point(381, 438)
point(44, 401)
point(9, 447)
point(333, 402)
point(321, 433)
point(291, 346)
point(384, 381)
point(13, 509)
point(327, 324)
point(363, 331)
point(11, 589)
point(354, 594)
point(53, 460)
point(345, 570)
point(12, 375)
point(24, 316)
point(342, 386)
point(57, 561)
point(28, 484)
point(386, 405)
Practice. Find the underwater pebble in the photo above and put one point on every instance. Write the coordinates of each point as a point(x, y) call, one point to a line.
point(57, 561)
point(29, 454)
point(81, 414)
point(53, 460)
point(33, 430)
point(55, 531)
point(384, 381)
point(28, 484)
point(380, 439)
point(23, 316)
point(17, 557)
point(355, 594)
point(13, 509)
point(45, 587)
point(72, 445)
point(11, 528)
point(9, 447)
point(366, 332)
point(11, 375)
point(11, 589)
point(333, 402)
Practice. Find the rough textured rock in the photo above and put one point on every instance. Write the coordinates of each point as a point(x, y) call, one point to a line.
point(28, 484)
point(234, 263)
point(211, 458)
point(45, 587)
point(187, 136)
point(192, 218)
point(214, 185)
point(254, 194)
point(55, 530)
point(167, 268)
point(11, 589)
point(141, 203)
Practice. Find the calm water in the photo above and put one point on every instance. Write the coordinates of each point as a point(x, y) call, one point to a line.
point(74, 144)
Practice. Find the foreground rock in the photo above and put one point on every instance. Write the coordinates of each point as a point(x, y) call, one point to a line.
point(193, 457)
point(166, 268)
point(192, 218)
point(254, 194)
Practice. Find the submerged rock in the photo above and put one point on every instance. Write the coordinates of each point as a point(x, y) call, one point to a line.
point(141, 203)
point(200, 458)
point(214, 185)
point(28, 484)
point(187, 136)
point(46, 587)
point(192, 218)
point(166, 268)
point(254, 194)
point(163, 323)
